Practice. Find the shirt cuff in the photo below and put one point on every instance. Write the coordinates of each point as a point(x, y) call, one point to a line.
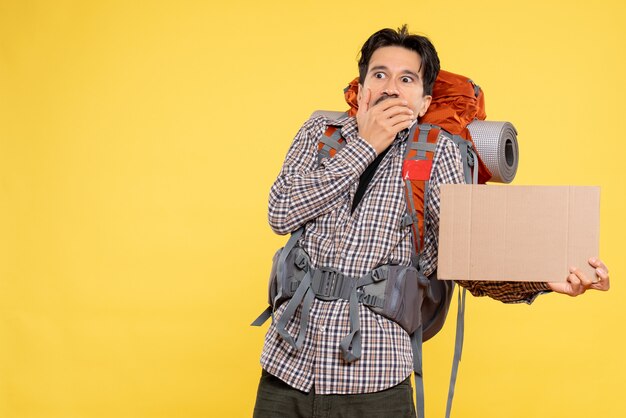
point(539, 288)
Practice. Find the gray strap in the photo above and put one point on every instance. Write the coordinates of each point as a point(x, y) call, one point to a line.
point(410, 141)
point(462, 144)
point(377, 275)
point(350, 345)
point(423, 146)
point(469, 158)
point(475, 164)
point(458, 348)
point(265, 315)
point(333, 140)
point(329, 142)
point(322, 153)
point(303, 295)
point(407, 220)
point(423, 139)
point(476, 87)
point(413, 213)
point(416, 345)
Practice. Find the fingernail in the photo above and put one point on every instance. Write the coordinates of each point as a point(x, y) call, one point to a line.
point(599, 271)
point(593, 259)
point(572, 269)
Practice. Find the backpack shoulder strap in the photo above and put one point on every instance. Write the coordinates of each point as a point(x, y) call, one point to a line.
point(416, 167)
point(330, 142)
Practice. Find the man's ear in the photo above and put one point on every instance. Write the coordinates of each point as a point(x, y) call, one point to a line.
point(425, 103)
point(359, 93)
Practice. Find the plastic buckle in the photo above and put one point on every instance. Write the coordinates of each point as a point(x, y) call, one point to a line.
point(368, 299)
point(425, 127)
point(470, 157)
point(379, 274)
point(327, 283)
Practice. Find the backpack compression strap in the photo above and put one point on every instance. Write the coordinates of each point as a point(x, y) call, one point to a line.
point(280, 272)
point(328, 284)
point(458, 348)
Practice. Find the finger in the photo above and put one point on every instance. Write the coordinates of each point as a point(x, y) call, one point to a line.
point(400, 126)
point(397, 110)
point(368, 97)
point(389, 103)
point(576, 286)
point(596, 262)
point(397, 124)
point(584, 280)
point(603, 282)
point(602, 274)
point(401, 121)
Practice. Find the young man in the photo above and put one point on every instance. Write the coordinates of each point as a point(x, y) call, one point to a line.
point(351, 207)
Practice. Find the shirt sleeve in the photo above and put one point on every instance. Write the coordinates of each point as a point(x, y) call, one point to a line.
point(448, 169)
point(304, 189)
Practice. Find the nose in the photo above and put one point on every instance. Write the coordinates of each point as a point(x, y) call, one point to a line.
point(391, 88)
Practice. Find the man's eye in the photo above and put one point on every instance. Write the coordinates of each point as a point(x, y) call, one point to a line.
point(379, 75)
point(406, 79)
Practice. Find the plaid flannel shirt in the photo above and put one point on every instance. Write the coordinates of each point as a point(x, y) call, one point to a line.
point(319, 197)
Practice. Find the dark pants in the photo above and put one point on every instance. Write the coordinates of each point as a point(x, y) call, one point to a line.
point(276, 399)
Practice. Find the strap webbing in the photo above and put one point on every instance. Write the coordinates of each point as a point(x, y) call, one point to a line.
point(304, 294)
point(474, 164)
point(415, 223)
point(463, 148)
point(265, 315)
point(410, 139)
point(350, 345)
point(416, 345)
point(328, 143)
point(423, 138)
point(458, 348)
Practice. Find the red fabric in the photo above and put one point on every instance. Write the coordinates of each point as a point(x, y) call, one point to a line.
point(416, 169)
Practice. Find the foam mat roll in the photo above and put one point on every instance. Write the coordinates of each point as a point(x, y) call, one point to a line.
point(496, 143)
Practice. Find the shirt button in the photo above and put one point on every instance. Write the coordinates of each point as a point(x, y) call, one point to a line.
point(344, 255)
point(322, 329)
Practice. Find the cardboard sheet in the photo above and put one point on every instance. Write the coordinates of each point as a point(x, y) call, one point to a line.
point(518, 233)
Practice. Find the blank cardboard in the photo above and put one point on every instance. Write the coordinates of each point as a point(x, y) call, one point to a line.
point(517, 233)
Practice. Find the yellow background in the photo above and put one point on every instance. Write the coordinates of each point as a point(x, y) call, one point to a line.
point(138, 142)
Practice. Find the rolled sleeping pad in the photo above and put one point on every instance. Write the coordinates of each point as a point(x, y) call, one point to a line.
point(496, 143)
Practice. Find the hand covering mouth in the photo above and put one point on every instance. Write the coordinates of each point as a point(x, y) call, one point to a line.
point(385, 96)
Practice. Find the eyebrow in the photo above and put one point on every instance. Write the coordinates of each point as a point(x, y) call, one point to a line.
point(382, 67)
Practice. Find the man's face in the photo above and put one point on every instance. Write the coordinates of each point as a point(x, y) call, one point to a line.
point(394, 71)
